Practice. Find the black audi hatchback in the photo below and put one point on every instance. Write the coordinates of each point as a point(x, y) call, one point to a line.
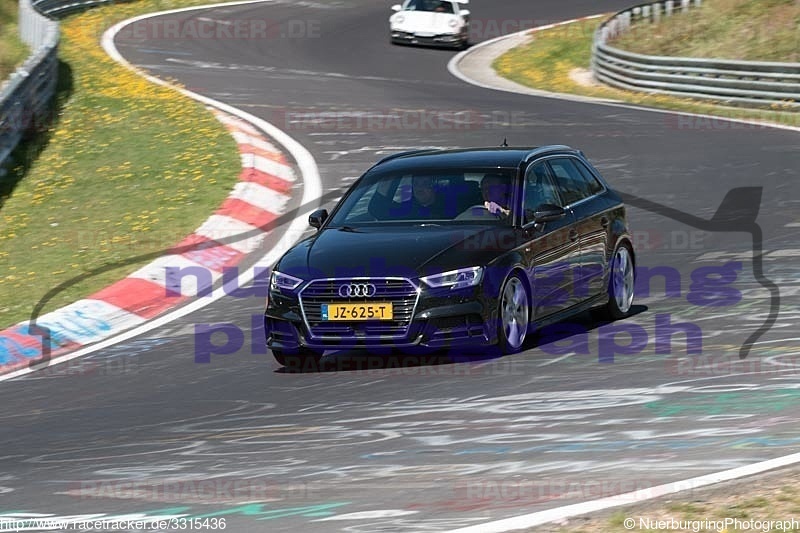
point(451, 248)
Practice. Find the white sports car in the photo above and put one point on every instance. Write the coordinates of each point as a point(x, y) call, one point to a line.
point(431, 22)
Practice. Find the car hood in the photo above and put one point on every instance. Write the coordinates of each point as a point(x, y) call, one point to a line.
point(407, 251)
point(425, 22)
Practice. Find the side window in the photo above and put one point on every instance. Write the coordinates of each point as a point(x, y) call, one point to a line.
point(571, 184)
point(403, 192)
point(594, 184)
point(539, 189)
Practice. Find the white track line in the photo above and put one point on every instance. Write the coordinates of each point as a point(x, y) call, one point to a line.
point(452, 67)
point(312, 190)
point(580, 509)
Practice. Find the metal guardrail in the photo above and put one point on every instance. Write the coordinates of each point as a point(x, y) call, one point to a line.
point(60, 8)
point(26, 97)
point(727, 81)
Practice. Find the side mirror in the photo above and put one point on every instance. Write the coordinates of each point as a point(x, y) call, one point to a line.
point(396, 7)
point(464, 13)
point(318, 218)
point(548, 212)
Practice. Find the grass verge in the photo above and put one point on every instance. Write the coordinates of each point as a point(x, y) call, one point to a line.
point(12, 51)
point(126, 168)
point(773, 496)
point(751, 30)
point(555, 59)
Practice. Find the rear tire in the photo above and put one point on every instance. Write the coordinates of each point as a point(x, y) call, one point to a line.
point(620, 283)
point(514, 315)
point(302, 358)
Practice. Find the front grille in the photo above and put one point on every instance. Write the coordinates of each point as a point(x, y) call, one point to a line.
point(400, 292)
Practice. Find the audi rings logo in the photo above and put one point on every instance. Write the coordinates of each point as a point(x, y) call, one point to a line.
point(355, 290)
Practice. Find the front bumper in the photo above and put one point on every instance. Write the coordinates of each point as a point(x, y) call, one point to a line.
point(445, 39)
point(443, 321)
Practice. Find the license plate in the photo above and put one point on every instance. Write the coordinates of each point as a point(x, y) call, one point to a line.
point(365, 311)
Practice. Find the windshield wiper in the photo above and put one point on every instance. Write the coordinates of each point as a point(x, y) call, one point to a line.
point(348, 229)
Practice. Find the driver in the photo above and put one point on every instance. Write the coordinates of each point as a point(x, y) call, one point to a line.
point(496, 192)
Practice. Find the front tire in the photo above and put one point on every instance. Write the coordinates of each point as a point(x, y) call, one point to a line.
point(620, 283)
point(302, 358)
point(513, 315)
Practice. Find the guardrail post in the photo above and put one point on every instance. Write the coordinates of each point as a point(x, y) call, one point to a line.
point(656, 12)
point(646, 12)
point(685, 5)
point(668, 8)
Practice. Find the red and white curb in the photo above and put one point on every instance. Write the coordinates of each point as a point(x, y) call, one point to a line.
point(260, 196)
point(129, 306)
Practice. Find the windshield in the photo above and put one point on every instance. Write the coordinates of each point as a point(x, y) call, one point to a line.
point(425, 196)
point(438, 6)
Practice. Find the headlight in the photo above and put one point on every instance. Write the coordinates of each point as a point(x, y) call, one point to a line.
point(279, 281)
point(453, 23)
point(398, 19)
point(455, 279)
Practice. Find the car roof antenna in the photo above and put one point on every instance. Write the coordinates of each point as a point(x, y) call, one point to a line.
point(505, 142)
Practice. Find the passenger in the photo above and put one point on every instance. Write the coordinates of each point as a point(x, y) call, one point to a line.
point(424, 193)
point(425, 202)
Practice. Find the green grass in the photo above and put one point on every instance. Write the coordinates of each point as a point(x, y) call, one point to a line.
point(12, 51)
point(753, 30)
point(689, 510)
point(128, 168)
point(549, 59)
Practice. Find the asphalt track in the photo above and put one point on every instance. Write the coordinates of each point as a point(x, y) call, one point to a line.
point(142, 428)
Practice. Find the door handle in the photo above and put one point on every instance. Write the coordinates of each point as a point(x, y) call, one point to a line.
point(573, 235)
point(604, 222)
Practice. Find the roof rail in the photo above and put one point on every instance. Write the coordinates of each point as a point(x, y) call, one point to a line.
point(536, 152)
point(401, 154)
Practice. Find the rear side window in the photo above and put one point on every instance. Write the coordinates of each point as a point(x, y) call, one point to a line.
point(572, 184)
point(594, 184)
point(539, 189)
